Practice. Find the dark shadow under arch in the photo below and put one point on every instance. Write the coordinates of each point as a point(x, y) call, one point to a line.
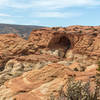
point(65, 42)
point(62, 42)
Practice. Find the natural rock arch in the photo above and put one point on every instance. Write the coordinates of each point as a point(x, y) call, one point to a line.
point(65, 42)
point(60, 42)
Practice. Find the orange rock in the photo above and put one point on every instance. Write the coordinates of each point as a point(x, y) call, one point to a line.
point(78, 44)
point(82, 39)
point(39, 84)
point(11, 46)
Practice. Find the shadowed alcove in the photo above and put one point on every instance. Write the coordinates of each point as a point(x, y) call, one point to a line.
point(60, 42)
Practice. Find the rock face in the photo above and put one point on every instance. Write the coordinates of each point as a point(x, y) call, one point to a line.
point(34, 69)
point(83, 39)
point(11, 45)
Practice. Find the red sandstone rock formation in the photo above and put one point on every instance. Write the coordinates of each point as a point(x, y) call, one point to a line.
point(53, 54)
point(11, 45)
point(39, 84)
point(82, 39)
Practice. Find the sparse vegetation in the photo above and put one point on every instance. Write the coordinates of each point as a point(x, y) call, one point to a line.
point(98, 69)
point(80, 31)
point(78, 90)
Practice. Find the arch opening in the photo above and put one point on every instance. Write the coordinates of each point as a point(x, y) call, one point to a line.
point(64, 42)
point(60, 42)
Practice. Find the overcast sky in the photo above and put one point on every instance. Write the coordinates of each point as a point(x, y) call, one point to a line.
point(50, 12)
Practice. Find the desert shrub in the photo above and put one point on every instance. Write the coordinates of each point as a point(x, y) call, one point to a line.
point(98, 69)
point(78, 90)
point(80, 31)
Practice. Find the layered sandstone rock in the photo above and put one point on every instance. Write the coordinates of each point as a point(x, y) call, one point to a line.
point(19, 65)
point(82, 39)
point(11, 45)
point(40, 66)
point(39, 84)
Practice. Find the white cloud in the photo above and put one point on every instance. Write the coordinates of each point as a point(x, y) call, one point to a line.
point(20, 5)
point(35, 22)
point(54, 4)
point(10, 16)
point(4, 15)
point(4, 3)
point(43, 8)
point(47, 4)
point(32, 22)
point(50, 4)
point(9, 21)
point(56, 14)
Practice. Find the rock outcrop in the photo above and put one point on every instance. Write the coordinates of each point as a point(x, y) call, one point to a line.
point(11, 45)
point(39, 84)
point(82, 39)
point(19, 65)
point(34, 69)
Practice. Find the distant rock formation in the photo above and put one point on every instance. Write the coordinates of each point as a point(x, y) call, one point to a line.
point(22, 30)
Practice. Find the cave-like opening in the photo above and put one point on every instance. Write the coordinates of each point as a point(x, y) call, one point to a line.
point(61, 42)
point(64, 42)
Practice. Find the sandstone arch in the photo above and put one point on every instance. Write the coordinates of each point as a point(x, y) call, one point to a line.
point(60, 42)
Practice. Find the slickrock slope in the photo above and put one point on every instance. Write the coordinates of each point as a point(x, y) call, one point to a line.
point(16, 57)
point(34, 69)
point(11, 45)
point(39, 84)
point(17, 66)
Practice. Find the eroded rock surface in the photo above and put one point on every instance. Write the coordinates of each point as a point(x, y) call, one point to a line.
point(39, 84)
point(11, 45)
point(83, 39)
point(34, 69)
point(17, 66)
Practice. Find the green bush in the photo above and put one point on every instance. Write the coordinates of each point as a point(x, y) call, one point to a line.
point(78, 90)
point(98, 66)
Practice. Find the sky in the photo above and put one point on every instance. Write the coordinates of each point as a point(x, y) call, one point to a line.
point(50, 12)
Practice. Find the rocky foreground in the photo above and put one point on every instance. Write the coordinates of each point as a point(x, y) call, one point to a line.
point(34, 69)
